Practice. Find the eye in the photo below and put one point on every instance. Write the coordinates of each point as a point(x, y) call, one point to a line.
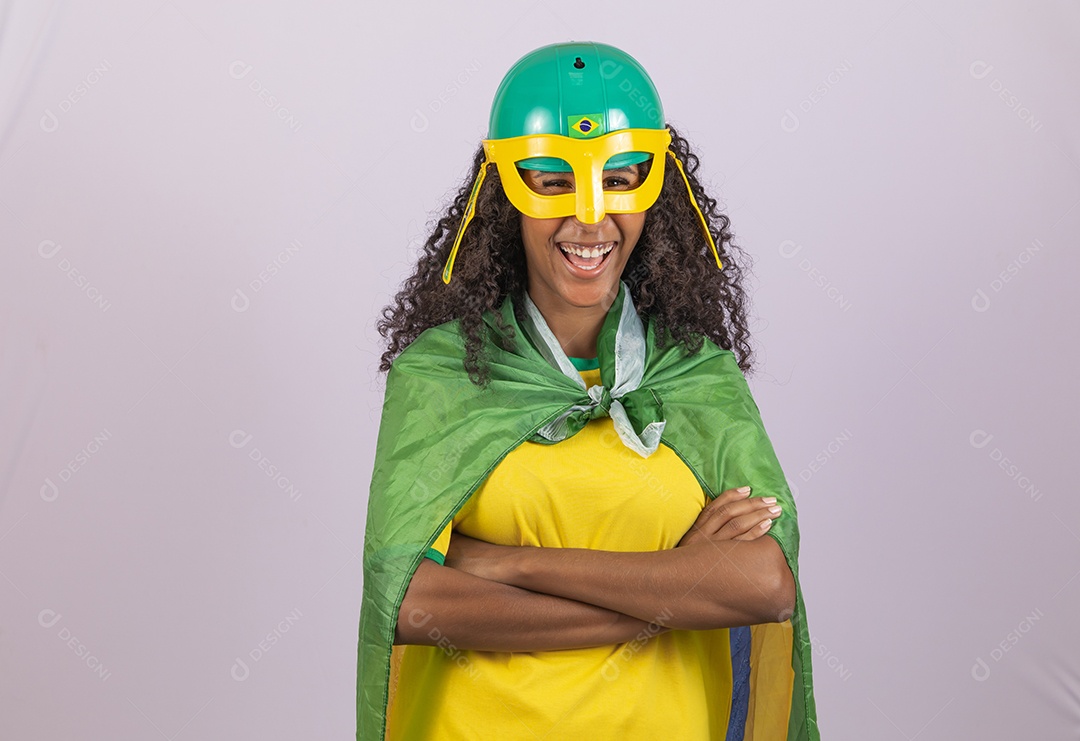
point(555, 183)
point(626, 179)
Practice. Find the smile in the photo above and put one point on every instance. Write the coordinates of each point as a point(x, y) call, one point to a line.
point(586, 256)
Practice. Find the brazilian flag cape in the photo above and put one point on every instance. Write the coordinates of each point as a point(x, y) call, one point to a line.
point(441, 435)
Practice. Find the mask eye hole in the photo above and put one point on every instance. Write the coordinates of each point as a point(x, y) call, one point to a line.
point(619, 175)
point(544, 182)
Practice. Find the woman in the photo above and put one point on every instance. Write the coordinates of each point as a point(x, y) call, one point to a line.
point(577, 526)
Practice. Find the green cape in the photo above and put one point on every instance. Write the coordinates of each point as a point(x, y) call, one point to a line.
point(440, 436)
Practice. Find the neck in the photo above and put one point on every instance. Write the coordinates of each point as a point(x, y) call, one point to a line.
point(575, 327)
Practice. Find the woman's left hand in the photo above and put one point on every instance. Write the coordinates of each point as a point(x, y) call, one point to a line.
point(478, 557)
point(733, 515)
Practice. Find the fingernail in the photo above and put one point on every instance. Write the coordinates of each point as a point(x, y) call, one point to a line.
point(743, 490)
point(766, 525)
point(769, 500)
point(774, 510)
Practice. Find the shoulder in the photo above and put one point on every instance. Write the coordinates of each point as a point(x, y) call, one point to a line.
point(442, 348)
point(434, 347)
point(426, 387)
point(676, 359)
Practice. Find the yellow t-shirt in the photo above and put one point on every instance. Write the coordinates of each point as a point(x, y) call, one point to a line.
point(588, 491)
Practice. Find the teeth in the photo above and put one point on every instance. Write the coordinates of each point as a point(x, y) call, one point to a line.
point(586, 251)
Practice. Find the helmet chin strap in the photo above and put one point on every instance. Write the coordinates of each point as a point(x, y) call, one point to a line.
point(470, 211)
point(701, 216)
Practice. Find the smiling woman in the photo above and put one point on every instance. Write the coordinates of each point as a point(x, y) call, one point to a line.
point(577, 526)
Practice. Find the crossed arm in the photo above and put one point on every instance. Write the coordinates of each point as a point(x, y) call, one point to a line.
point(522, 598)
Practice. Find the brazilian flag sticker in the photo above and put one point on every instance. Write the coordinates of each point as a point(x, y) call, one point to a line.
point(586, 126)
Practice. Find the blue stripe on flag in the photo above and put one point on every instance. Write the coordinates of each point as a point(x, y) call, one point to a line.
point(740, 681)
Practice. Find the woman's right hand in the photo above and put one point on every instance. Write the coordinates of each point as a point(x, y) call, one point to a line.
point(733, 515)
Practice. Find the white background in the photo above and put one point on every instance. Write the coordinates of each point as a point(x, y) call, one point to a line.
point(203, 206)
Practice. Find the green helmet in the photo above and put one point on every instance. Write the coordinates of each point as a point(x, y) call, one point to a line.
point(578, 89)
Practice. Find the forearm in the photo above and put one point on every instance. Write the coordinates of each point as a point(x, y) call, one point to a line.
point(444, 605)
point(715, 584)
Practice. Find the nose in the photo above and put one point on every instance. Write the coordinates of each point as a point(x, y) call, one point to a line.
point(590, 230)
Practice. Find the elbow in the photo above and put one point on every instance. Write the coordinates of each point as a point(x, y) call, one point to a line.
point(410, 627)
point(405, 628)
point(412, 613)
point(782, 596)
point(767, 593)
point(779, 587)
point(770, 599)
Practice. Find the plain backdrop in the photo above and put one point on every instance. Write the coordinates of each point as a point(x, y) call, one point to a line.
point(204, 206)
